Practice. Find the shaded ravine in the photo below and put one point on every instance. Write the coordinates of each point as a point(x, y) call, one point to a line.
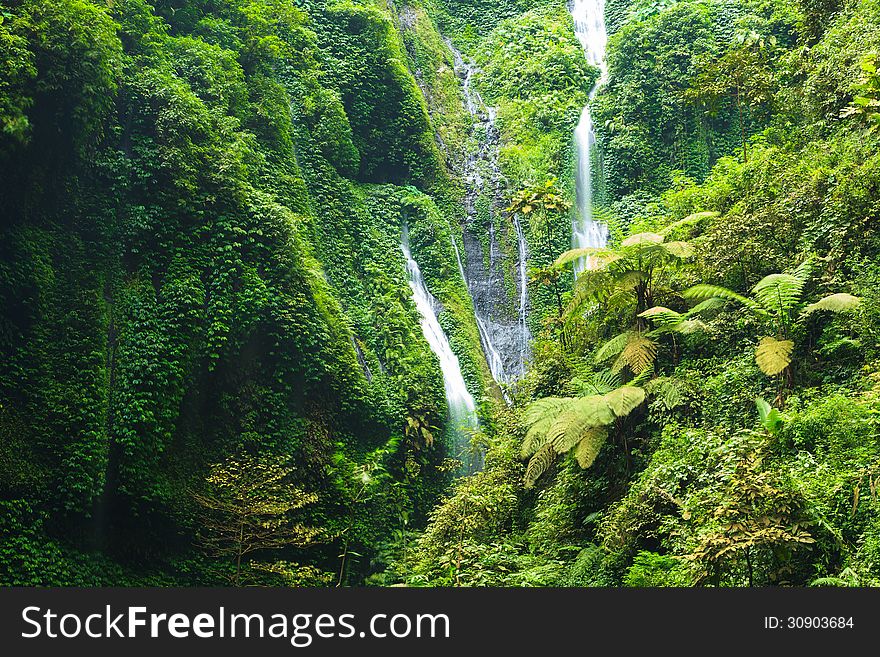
point(502, 321)
point(589, 27)
point(463, 420)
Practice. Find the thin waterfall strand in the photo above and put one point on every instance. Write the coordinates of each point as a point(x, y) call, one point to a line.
point(462, 409)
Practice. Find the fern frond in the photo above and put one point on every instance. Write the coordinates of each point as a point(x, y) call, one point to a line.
point(539, 464)
point(689, 327)
point(638, 354)
point(539, 416)
point(712, 303)
point(641, 239)
point(662, 316)
point(591, 287)
point(572, 425)
point(642, 377)
point(594, 409)
point(541, 408)
point(773, 355)
point(628, 280)
point(680, 250)
point(624, 400)
point(588, 448)
point(603, 257)
point(613, 347)
point(778, 292)
point(536, 436)
point(835, 303)
point(603, 382)
point(803, 271)
point(690, 220)
point(704, 292)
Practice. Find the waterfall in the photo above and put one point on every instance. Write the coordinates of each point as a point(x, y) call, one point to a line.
point(462, 410)
point(505, 340)
point(589, 27)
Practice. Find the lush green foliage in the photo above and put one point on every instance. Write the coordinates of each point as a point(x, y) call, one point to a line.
point(207, 324)
point(706, 486)
point(200, 260)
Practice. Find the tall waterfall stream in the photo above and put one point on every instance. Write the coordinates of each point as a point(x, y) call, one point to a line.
point(589, 27)
point(462, 409)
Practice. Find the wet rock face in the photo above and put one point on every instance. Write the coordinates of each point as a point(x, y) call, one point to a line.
point(493, 306)
point(500, 310)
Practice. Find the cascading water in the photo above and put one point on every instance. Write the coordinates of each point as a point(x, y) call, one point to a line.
point(462, 410)
point(589, 27)
point(505, 339)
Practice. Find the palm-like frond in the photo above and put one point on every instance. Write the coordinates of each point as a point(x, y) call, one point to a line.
point(539, 416)
point(835, 303)
point(643, 377)
point(662, 316)
point(588, 448)
point(638, 354)
point(705, 292)
point(603, 257)
point(804, 270)
point(613, 347)
point(539, 464)
point(679, 249)
point(690, 220)
point(600, 383)
point(593, 286)
point(641, 239)
point(669, 390)
point(560, 424)
point(707, 305)
point(773, 355)
point(778, 293)
point(584, 414)
point(624, 400)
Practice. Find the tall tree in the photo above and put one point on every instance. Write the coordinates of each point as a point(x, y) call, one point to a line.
point(248, 504)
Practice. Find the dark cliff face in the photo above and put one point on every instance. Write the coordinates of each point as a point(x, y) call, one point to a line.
point(489, 269)
point(494, 304)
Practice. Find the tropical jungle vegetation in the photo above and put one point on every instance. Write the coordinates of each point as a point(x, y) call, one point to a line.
point(212, 371)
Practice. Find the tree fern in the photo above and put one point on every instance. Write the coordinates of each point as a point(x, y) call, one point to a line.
point(599, 383)
point(662, 317)
point(603, 256)
point(778, 293)
point(668, 390)
point(539, 464)
point(612, 347)
point(558, 425)
point(641, 239)
point(539, 416)
point(690, 220)
point(679, 249)
point(624, 400)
